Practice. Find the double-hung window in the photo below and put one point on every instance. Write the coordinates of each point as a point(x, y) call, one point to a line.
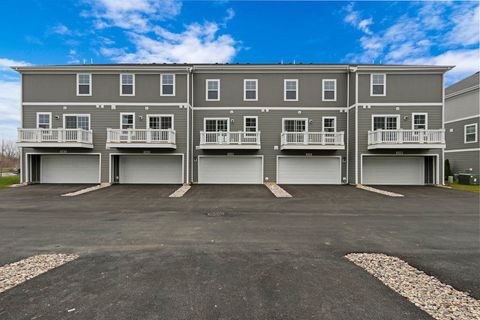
point(44, 120)
point(127, 84)
point(471, 131)
point(290, 87)
point(419, 121)
point(385, 122)
point(329, 124)
point(84, 84)
point(216, 125)
point(250, 89)
point(76, 121)
point(378, 84)
point(250, 124)
point(329, 92)
point(167, 85)
point(127, 121)
point(213, 90)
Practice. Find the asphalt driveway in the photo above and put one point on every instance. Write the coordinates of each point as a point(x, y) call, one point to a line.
point(146, 256)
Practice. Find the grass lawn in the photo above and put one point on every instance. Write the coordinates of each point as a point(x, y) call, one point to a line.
point(464, 187)
point(6, 181)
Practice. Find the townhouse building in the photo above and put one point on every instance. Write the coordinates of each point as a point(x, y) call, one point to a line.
point(232, 123)
point(462, 118)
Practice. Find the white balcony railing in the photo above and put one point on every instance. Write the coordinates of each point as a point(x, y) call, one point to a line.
point(229, 138)
point(401, 136)
point(335, 139)
point(54, 136)
point(141, 136)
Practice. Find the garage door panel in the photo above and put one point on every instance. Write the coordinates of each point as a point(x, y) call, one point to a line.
point(135, 169)
point(69, 169)
point(230, 170)
point(309, 170)
point(393, 170)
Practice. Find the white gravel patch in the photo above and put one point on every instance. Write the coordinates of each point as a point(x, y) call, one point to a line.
point(439, 300)
point(86, 190)
point(385, 193)
point(277, 191)
point(18, 272)
point(180, 192)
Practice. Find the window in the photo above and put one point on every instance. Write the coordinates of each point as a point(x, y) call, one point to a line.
point(162, 122)
point(329, 124)
point(290, 90)
point(167, 83)
point(295, 125)
point(329, 90)
point(76, 121)
point(250, 124)
point(385, 122)
point(250, 87)
point(419, 121)
point(84, 84)
point(377, 84)
point(127, 121)
point(44, 120)
point(216, 125)
point(471, 133)
point(127, 84)
point(213, 90)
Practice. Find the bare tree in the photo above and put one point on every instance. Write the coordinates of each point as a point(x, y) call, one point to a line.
point(9, 155)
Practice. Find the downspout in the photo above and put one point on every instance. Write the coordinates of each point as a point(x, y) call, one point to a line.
point(441, 180)
point(192, 104)
point(187, 179)
point(356, 126)
point(348, 119)
point(22, 171)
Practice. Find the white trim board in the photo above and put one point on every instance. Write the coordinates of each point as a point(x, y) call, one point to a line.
point(462, 150)
point(464, 118)
point(139, 104)
point(271, 108)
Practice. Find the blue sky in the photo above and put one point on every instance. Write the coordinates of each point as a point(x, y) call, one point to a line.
point(109, 31)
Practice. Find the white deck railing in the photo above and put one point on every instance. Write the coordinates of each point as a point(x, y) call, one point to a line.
point(313, 138)
point(59, 135)
point(229, 138)
point(153, 136)
point(402, 136)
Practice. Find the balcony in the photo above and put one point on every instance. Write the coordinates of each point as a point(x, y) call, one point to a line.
point(141, 138)
point(229, 140)
point(312, 141)
point(55, 138)
point(406, 139)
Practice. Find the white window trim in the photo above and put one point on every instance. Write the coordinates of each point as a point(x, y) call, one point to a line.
point(465, 133)
point(334, 91)
point(245, 123)
point(285, 90)
point(206, 89)
point(78, 115)
point(387, 115)
point(133, 84)
point(216, 118)
point(334, 123)
point(127, 113)
point(160, 115)
point(245, 90)
point(384, 85)
point(304, 119)
point(90, 87)
point(161, 85)
point(420, 114)
point(44, 113)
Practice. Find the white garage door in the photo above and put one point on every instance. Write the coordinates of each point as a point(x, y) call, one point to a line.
point(69, 169)
point(230, 169)
point(309, 170)
point(394, 170)
point(150, 169)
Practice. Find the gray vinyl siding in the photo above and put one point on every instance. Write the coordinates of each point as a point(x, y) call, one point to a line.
point(101, 119)
point(352, 89)
point(455, 134)
point(351, 146)
point(270, 127)
point(464, 161)
point(270, 89)
point(402, 88)
point(105, 88)
point(463, 105)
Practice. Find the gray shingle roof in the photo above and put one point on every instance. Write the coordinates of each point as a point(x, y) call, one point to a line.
point(468, 82)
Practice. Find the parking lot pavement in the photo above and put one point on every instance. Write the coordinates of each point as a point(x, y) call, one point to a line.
point(41, 190)
point(328, 192)
point(427, 192)
point(132, 192)
point(229, 191)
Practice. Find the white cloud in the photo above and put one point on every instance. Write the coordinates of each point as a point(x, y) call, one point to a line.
point(7, 63)
point(466, 29)
point(9, 109)
point(354, 18)
point(60, 29)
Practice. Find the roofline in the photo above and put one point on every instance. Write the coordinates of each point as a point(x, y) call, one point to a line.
point(461, 91)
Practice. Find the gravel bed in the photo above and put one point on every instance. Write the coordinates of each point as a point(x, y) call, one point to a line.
point(439, 300)
point(18, 272)
point(277, 191)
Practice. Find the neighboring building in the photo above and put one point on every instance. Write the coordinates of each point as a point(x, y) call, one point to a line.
point(232, 123)
point(462, 124)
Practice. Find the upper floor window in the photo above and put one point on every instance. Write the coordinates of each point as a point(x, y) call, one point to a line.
point(378, 84)
point(471, 131)
point(216, 124)
point(250, 124)
point(329, 90)
point(213, 90)
point(329, 124)
point(167, 85)
point(250, 88)
point(127, 84)
point(84, 84)
point(290, 90)
point(388, 122)
point(127, 121)
point(295, 125)
point(160, 121)
point(420, 121)
point(44, 120)
point(76, 121)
